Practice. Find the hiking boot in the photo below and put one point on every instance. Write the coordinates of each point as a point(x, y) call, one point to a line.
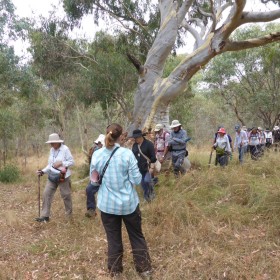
point(42, 219)
point(90, 213)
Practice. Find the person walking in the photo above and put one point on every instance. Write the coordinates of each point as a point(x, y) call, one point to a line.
point(254, 143)
point(222, 147)
point(58, 170)
point(144, 152)
point(240, 143)
point(118, 201)
point(92, 189)
point(177, 145)
point(268, 138)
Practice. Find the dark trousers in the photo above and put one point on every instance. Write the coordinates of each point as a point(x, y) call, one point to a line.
point(91, 190)
point(113, 227)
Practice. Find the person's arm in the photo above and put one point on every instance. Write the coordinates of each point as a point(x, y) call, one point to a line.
point(134, 174)
point(181, 140)
point(68, 159)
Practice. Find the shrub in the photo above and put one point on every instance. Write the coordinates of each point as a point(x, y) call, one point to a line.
point(9, 174)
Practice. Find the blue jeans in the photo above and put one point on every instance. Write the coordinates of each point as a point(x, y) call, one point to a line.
point(241, 152)
point(146, 184)
point(91, 190)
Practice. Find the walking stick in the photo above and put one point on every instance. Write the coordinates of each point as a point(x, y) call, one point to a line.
point(210, 158)
point(39, 195)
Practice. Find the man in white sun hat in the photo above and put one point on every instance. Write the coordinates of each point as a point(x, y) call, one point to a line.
point(177, 145)
point(91, 189)
point(60, 159)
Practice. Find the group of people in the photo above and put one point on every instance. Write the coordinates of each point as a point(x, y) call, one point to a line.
point(252, 140)
point(114, 171)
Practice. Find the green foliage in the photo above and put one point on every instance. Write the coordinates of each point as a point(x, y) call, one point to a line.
point(9, 174)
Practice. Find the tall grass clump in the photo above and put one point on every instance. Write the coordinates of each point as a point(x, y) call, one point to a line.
point(9, 174)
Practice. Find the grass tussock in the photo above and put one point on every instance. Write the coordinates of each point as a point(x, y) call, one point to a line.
point(213, 223)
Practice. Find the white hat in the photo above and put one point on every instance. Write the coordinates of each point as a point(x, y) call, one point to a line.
point(54, 138)
point(158, 127)
point(276, 127)
point(101, 139)
point(175, 123)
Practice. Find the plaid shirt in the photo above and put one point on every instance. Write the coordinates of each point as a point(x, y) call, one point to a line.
point(117, 194)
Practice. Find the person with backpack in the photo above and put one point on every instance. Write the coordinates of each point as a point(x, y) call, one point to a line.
point(177, 144)
point(58, 170)
point(161, 144)
point(115, 168)
point(92, 189)
point(254, 143)
point(222, 147)
point(241, 142)
point(144, 152)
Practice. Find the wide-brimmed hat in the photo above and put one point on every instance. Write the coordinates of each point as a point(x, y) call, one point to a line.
point(260, 128)
point(175, 123)
point(158, 127)
point(136, 133)
point(222, 130)
point(276, 127)
point(54, 138)
point(101, 139)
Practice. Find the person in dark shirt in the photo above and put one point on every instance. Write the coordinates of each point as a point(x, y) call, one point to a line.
point(144, 152)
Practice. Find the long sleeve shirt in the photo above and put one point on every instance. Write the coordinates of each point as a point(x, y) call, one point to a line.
point(117, 194)
point(241, 139)
point(223, 143)
point(178, 141)
point(62, 154)
point(254, 139)
point(148, 149)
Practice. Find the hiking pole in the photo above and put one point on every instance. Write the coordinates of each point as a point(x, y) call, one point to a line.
point(39, 195)
point(210, 159)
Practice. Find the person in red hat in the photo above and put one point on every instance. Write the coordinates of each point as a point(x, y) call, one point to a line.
point(222, 147)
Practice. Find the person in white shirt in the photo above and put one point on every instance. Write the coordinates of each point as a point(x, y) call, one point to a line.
point(268, 138)
point(241, 142)
point(222, 147)
point(58, 171)
point(254, 143)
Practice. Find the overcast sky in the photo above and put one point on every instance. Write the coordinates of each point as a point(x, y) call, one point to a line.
point(33, 8)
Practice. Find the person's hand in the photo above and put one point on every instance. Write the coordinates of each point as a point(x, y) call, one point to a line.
point(40, 172)
point(151, 171)
point(57, 164)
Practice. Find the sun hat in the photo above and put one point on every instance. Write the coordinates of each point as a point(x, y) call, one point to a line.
point(222, 130)
point(158, 127)
point(244, 127)
point(175, 123)
point(276, 127)
point(101, 139)
point(54, 138)
point(260, 128)
point(137, 133)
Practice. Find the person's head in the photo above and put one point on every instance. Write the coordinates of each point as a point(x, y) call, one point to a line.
point(138, 136)
point(158, 128)
point(100, 141)
point(221, 132)
point(237, 128)
point(254, 129)
point(54, 140)
point(175, 125)
point(113, 133)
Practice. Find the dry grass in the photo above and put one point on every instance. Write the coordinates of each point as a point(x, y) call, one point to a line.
point(212, 224)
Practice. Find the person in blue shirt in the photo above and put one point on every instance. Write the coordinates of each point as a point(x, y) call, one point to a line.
point(118, 201)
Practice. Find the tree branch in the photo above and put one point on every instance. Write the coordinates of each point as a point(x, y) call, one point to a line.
point(140, 68)
point(183, 10)
point(259, 17)
point(252, 43)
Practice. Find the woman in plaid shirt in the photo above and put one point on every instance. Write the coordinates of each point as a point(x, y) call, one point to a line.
point(118, 201)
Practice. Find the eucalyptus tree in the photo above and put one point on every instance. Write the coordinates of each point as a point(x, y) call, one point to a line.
point(160, 28)
point(249, 81)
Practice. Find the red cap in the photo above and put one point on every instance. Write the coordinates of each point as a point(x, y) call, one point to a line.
point(222, 130)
